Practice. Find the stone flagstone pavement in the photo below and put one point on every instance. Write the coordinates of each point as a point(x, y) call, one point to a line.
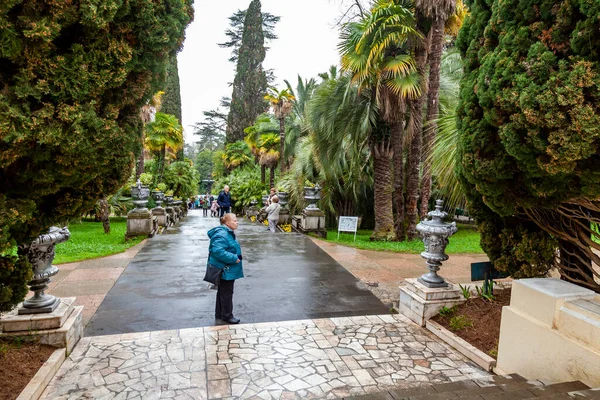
point(319, 358)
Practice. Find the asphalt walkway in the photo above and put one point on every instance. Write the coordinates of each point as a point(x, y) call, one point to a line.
point(288, 277)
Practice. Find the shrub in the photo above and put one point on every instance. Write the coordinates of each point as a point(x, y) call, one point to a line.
point(74, 76)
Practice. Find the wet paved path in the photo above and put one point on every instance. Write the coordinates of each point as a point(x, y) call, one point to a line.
point(309, 359)
point(288, 277)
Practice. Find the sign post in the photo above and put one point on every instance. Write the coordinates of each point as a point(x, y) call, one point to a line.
point(348, 224)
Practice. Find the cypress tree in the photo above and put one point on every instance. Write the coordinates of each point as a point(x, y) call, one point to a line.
point(171, 100)
point(74, 76)
point(529, 124)
point(250, 83)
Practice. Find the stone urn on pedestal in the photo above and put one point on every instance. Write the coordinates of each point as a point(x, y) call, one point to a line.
point(284, 212)
point(139, 220)
point(312, 219)
point(172, 217)
point(41, 254)
point(159, 212)
point(252, 211)
point(422, 298)
point(49, 319)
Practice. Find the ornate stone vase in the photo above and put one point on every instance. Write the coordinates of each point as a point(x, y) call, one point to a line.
point(41, 254)
point(435, 233)
point(283, 198)
point(140, 194)
point(253, 203)
point(312, 195)
point(168, 200)
point(158, 197)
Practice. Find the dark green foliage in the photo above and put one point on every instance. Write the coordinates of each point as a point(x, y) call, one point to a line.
point(244, 184)
point(171, 100)
point(235, 33)
point(182, 178)
point(529, 124)
point(73, 76)
point(250, 83)
point(204, 164)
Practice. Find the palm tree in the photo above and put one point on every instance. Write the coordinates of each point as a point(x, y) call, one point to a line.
point(438, 11)
point(269, 156)
point(236, 154)
point(374, 52)
point(165, 133)
point(264, 124)
point(147, 115)
point(281, 102)
point(443, 153)
point(296, 125)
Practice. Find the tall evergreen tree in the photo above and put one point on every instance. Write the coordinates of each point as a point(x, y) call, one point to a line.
point(236, 31)
point(250, 83)
point(171, 101)
point(529, 126)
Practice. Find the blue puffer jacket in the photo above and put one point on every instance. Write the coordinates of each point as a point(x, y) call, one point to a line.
point(224, 251)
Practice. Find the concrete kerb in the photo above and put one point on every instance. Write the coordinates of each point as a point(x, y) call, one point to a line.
point(42, 378)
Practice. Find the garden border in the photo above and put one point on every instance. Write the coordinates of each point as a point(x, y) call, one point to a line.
point(471, 352)
point(45, 374)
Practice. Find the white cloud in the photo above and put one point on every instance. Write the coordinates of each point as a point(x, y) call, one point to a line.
point(307, 45)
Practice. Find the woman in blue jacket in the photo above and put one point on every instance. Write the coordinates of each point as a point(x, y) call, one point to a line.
point(225, 252)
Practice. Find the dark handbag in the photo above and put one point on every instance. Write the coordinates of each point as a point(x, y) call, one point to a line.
point(213, 274)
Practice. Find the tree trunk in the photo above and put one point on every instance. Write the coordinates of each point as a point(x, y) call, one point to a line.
point(140, 163)
point(272, 177)
point(282, 166)
point(576, 265)
point(263, 174)
point(397, 138)
point(384, 216)
point(435, 59)
point(415, 127)
point(161, 165)
point(104, 214)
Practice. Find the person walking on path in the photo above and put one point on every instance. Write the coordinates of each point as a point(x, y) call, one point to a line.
point(205, 206)
point(225, 252)
point(214, 209)
point(224, 201)
point(273, 213)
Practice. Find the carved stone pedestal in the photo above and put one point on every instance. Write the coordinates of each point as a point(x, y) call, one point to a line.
point(61, 328)
point(311, 220)
point(172, 216)
point(161, 215)
point(419, 302)
point(284, 216)
point(140, 222)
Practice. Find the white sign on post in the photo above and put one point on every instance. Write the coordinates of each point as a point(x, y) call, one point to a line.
point(348, 224)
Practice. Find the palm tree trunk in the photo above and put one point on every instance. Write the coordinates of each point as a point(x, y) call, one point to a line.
point(140, 163)
point(161, 166)
point(282, 145)
point(104, 214)
point(415, 127)
point(397, 138)
point(435, 58)
point(263, 174)
point(384, 216)
point(272, 177)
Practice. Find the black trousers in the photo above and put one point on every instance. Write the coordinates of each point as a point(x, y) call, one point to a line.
point(223, 211)
point(224, 307)
point(205, 212)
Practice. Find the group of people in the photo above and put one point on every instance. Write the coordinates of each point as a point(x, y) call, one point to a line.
point(218, 207)
point(225, 252)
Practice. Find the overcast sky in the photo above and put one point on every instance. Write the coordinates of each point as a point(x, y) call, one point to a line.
point(307, 45)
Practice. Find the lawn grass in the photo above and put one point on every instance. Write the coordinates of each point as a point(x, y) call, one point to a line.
point(89, 241)
point(465, 241)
